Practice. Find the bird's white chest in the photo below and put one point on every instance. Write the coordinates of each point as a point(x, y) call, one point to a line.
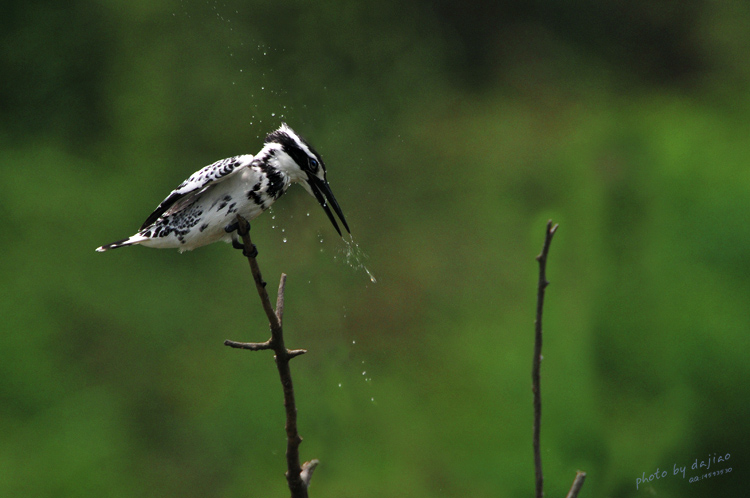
point(202, 222)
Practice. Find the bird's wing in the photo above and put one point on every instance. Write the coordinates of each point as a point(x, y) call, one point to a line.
point(198, 183)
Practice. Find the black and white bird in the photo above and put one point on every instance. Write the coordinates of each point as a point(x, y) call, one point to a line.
point(203, 209)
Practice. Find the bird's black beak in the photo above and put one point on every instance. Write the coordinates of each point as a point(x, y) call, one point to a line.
point(325, 197)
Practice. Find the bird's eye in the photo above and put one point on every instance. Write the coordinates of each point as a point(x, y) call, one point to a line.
point(313, 164)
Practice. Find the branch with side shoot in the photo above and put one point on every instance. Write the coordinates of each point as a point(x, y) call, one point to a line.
point(536, 370)
point(298, 476)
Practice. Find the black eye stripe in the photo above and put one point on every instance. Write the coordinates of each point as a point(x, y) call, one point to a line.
point(292, 148)
point(295, 153)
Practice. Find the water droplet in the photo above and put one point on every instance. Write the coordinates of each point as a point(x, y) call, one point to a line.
point(364, 373)
point(284, 240)
point(354, 342)
point(354, 257)
point(339, 384)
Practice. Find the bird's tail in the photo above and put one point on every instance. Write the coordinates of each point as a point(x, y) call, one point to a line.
point(135, 239)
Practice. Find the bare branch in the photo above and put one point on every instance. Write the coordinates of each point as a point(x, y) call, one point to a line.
point(252, 346)
point(298, 477)
point(577, 483)
point(536, 364)
point(307, 471)
point(280, 299)
point(244, 231)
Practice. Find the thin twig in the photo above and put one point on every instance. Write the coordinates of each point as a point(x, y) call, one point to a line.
point(307, 470)
point(252, 346)
point(577, 483)
point(536, 364)
point(298, 477)
point(244, 230)
point(280, 299)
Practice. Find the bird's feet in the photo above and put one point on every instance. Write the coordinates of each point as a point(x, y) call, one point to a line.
point(237, 226)
point(237, 244)
point(253, 253)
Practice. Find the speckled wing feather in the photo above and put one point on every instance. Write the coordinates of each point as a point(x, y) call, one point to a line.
point(198, 182)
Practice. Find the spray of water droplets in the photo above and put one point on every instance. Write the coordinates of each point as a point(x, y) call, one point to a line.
point(355, 257)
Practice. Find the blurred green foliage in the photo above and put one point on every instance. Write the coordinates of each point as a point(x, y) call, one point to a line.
point(451, 132)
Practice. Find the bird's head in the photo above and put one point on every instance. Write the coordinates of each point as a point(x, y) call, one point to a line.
point(295, 157)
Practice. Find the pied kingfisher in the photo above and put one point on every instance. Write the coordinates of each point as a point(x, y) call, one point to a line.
point(203, 209)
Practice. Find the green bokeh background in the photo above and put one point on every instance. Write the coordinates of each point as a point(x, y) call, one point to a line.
point(452, 132)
